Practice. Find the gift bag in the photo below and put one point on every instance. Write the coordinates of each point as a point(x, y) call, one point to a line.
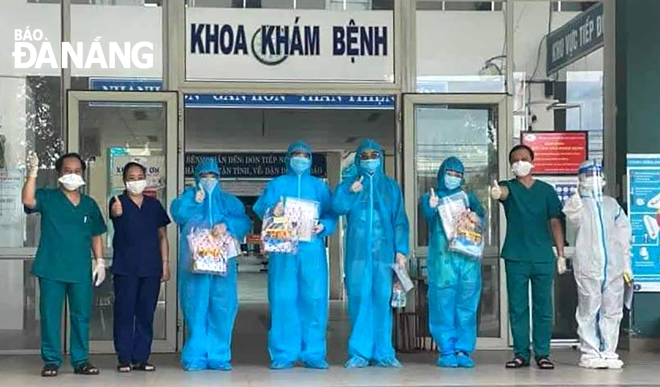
point(403, 277)
point(450, 209)
point(210, 253)
point(399, 298)
point(303, 215)
point(468, 235)
point(278, 234)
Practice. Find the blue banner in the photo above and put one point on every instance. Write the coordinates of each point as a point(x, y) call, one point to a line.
point(251, 165)
point(643, 209)
point(125, 84)
point(576, 39)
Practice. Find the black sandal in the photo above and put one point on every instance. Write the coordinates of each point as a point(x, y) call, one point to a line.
point(517, 362)
point(146, 367)
point(124, 368)
point(49, 371)
point(86, 369)
point(545, 364)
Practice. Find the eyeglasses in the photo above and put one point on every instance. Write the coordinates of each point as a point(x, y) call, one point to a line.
point(369, 155)
point(300, 154)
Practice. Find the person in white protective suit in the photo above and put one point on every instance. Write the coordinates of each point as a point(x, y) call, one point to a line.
point(601, 267)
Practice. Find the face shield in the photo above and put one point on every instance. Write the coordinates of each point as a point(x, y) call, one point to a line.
point(592, 179)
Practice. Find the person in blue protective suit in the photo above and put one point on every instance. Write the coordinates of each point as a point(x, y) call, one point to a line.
point(454, 279)
point(209, 302)
point(377, 237)
point(298, 283)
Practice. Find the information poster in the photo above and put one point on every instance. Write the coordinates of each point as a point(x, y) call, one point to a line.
point(11, 209)
point(557, 153)
point(643, 205)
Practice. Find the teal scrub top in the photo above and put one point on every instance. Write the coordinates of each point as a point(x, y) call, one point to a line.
point(528, 213)
point(65, 246)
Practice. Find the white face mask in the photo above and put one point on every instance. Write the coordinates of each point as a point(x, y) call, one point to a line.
point(136, 187)
point(71, 182)
point(521, 168)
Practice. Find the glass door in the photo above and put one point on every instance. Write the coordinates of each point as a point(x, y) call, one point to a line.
point(474, 129)
point(109, 129)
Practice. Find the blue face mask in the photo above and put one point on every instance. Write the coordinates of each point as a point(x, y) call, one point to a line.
point(371, 166)
point(208, 184)
point(452, 182)
point(300, 164)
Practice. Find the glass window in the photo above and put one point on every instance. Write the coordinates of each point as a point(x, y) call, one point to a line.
point(19, 297)
point(30, 111)
point(130, 36)
point(333, 5)
point(459, 51)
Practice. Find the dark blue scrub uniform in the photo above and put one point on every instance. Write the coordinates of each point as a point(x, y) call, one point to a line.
point(137, 268)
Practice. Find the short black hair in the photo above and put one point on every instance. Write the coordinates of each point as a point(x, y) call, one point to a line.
point(132, 164)
point(60, 161)
point(519, 147)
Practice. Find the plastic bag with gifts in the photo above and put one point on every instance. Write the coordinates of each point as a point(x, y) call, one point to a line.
point(278, 234)
point(450, 209)
point(303, 215)
point(468, 235)
point(399, 298)
point(210, 252)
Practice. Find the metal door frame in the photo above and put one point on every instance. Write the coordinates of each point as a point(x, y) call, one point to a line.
point(170, 102)
point(504, 139)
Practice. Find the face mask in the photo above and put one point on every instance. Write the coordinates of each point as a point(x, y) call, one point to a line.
point(452, 182)
point(371, 166)
point(209, 184)
point(71, 182)
point(521, 168)
point(136, 187)
point(300, 164)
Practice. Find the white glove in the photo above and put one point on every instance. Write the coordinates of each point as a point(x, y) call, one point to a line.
point(434, 201)
point(357, 185)
point(199, 197)
point(99, 272)
point(32, 165)
point(401, 259)
point(495, 191)
point(561, 265)
point(318, 228)
point(219, 230)
point(575, 202)
point(279, 208)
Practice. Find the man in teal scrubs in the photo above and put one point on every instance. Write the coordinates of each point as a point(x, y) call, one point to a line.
point(71, 228)
point(533, 213)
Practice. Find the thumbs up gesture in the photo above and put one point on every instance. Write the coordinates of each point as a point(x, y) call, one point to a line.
point(200, 195)
point(117, 209)
point(32, 164)
point(434, 201)
point(357, 185)
point(495, 191)
point(279, 208)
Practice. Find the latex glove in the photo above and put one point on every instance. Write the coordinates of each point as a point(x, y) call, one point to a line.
point(199, 197)
point(279, 208)
point(357, 185)
point(495, 191)
point(561, 265)
point(401, 259)
point(318, 228)
point(166, 272)
point(434, 201)
point(628, 276)
point(98, 274)
point(117, 208)
point(32, 165)
point(219, 229)
point(575, 202)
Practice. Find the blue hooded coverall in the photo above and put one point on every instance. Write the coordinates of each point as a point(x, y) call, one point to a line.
point(377, 230)
point(298, 283)
point(209, 302)
point(454, 279)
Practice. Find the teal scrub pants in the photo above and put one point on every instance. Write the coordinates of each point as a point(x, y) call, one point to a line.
point(518, 276)
point(50, 308)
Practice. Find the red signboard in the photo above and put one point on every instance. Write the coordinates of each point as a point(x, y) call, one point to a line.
point(557, 153)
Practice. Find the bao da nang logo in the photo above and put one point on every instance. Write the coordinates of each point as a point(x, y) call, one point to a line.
point(33, 50)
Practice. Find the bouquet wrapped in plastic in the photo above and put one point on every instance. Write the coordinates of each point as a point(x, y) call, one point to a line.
point(468, 235)
point(210, 251)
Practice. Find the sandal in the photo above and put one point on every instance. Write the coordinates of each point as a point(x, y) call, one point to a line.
point(124, 368)
point(49, 371)
point(545, 364)
point(86, 369)
point(517, 362)
point(144, 367)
